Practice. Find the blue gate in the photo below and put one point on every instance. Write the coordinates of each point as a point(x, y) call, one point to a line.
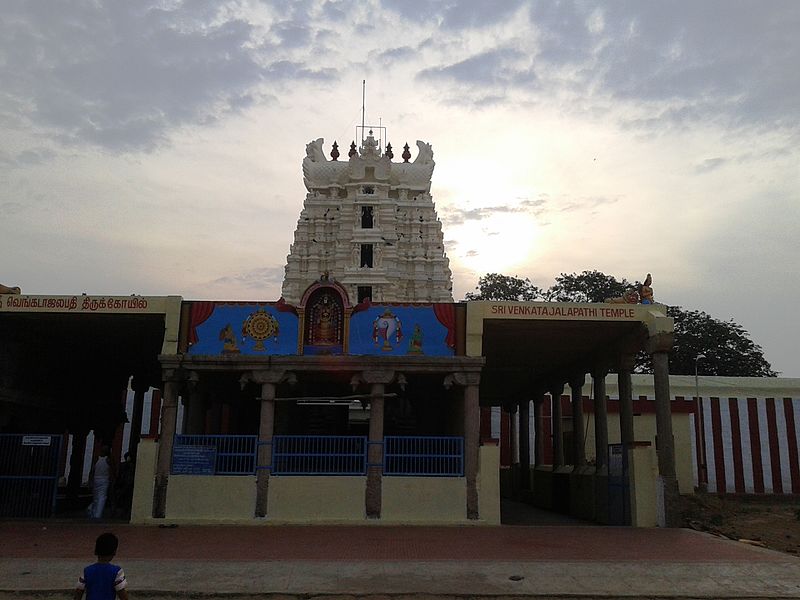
point(28, 475)
point(619, 496)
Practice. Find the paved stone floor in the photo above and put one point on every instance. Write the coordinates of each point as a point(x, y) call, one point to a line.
point(43, 558)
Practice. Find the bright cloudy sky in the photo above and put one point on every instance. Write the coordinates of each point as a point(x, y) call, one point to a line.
point(156, 147)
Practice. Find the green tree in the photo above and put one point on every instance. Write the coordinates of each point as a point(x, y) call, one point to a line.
point(727, 346)
point(588, 286)
point(494, 286)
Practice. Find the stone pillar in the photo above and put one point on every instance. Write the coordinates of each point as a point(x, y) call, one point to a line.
point(600, 421)
point(266, 431)
point(578, 445)
point(625, 400)
point(538, 425)
point(470, 383)
point(472, 441)
point(377, 381)
point(140, 387)
point(193, 408)
point(524, 445)
point(269, 380)
point(169, 412)
point(558, 437)
point(665, 446)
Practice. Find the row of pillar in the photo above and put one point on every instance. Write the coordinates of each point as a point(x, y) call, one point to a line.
point(377, 382)
point(664, 440)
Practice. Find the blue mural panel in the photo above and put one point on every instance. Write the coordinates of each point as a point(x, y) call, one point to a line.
point(399, 330)
point(242, 329)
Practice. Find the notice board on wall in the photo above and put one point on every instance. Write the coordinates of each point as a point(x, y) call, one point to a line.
point(194, 460)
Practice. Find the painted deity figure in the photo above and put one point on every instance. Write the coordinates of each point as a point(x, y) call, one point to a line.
point(629, 297)
point(4, 289)
point(324, 323)
point(228, 338)
point(415, 343)
point(645, 291)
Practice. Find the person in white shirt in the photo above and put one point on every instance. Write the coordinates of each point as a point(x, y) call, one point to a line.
point(100, 479)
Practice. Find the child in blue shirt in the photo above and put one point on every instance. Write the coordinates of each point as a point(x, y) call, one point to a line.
point(102, 580)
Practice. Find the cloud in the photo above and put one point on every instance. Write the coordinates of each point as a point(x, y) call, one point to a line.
point(254, 279)
point(584, 204)
point(710, 164)
point(394, 55)
point(11, 208)
point(123, 76)
point(502, 67)
point(454, 15)
point(455, 215)
point(655, 65)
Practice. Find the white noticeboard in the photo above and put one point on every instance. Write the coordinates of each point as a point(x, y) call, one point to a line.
point(36, 440)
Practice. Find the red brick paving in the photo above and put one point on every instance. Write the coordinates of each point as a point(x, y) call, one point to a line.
point(64, 540)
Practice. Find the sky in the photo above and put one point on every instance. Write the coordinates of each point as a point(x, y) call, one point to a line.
point(156, 147)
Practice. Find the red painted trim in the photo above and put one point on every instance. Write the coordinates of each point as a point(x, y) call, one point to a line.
point(736, 438)
point(774, 449)
point(699, 446)
point(755, 446)
point(719, 454)
point(486, 422)
point(791, 433)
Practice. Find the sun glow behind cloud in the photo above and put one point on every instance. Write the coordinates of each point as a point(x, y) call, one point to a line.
point(499, 243)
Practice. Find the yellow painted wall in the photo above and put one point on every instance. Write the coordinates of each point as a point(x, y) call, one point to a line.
point(489, 485)
point(424, 500)
point(644, 430)
point(316, 499)
point(211, 497)
point(142, 506)
point(644, 473)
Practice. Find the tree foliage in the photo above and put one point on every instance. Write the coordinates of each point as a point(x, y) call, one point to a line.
point(726, 345)
point(505, 287)
point(588, 286)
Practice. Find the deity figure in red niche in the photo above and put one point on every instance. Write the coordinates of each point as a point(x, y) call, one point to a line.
point(325, 317)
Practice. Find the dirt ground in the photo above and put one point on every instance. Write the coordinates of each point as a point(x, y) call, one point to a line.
point(769, 521)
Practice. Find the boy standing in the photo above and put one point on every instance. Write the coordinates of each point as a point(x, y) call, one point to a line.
point(102, 580)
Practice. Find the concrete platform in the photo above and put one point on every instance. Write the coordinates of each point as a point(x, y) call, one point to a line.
point(44, 558)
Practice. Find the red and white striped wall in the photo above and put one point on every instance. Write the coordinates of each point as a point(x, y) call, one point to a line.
point(744, 432)
point(750, 445)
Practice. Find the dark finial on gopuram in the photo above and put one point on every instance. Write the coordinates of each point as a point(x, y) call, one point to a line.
point(389, 152)
point(335, 151)
point(406, 153)
point(353, 150)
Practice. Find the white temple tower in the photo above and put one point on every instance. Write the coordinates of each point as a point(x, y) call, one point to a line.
point(371, 225)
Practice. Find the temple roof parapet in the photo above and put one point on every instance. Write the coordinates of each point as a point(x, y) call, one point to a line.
point(319, 172)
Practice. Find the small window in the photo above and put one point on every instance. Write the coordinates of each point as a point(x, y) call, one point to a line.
point(366, 255)
point(367, 221)
point(364, 292)
point(368, 189)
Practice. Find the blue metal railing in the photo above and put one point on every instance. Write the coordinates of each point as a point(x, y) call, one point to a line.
point(29, 469)
point(424, 456)
point(319, 455)
point(214, 454)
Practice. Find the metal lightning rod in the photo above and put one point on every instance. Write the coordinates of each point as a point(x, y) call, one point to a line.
point(363, 104)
